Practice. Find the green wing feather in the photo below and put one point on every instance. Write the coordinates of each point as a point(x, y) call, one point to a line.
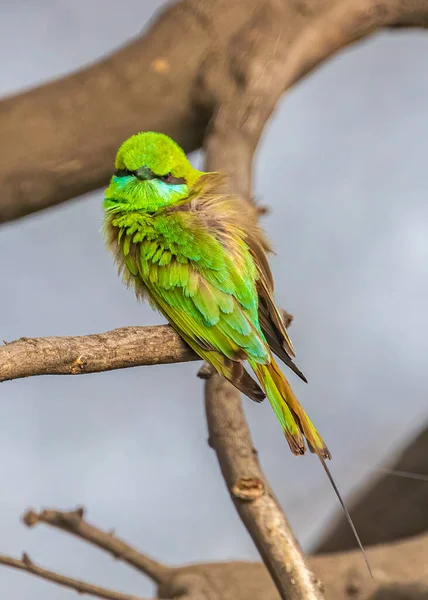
point(213, 321)
point(191, 279)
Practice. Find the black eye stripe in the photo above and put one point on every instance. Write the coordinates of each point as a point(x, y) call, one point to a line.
point(123, 173)
point(168, 178)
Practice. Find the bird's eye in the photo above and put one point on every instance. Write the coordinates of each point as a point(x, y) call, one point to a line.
point(169, 178)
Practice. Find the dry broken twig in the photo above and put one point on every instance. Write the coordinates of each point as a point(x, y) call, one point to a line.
point(26, 564)
point(73, 522)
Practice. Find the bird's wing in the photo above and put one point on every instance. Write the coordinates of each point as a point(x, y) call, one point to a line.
point(210, 308)
point(270, 318)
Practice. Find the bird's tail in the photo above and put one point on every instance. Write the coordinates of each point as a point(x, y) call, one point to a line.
point(297, 426)
point(295, 422)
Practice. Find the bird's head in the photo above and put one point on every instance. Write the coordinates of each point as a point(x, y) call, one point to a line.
point(152, 172)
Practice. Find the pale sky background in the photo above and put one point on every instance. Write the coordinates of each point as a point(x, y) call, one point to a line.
point(343, 165)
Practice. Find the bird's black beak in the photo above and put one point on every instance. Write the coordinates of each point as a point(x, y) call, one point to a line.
point(144, 173)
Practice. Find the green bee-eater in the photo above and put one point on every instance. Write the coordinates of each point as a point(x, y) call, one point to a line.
point(199, 257)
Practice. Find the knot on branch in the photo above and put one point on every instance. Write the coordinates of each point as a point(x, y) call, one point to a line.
point(77, 366)
point(27, 561)
point(248, 488)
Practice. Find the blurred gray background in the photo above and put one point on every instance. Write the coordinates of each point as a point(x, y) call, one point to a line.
point(343, 164)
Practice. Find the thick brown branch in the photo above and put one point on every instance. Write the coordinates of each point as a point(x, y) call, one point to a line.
point(73, 522)
point(342, 23)
point(25, 564)
point(66, 132)
point(398, 568)
point(117, 349)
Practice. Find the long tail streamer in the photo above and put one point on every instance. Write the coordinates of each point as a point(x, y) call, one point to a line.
point(348, 516)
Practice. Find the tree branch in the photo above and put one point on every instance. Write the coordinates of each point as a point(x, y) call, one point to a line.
point(252, 496)
point(25, 564)
point(73, 522)
point(116, 349)
point(66, 132)
point(399, 567)
point(77, 355)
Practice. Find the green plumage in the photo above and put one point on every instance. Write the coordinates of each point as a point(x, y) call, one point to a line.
point(198, 255)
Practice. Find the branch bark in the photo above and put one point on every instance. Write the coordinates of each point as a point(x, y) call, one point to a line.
point(66, 132)
point(252, 496)
point(76, 355)
point(81, 354)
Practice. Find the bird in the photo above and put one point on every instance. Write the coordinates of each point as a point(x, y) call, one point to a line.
point(197, 253)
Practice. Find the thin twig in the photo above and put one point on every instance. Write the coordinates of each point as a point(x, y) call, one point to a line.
point(73, 522)
point(25, 564)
